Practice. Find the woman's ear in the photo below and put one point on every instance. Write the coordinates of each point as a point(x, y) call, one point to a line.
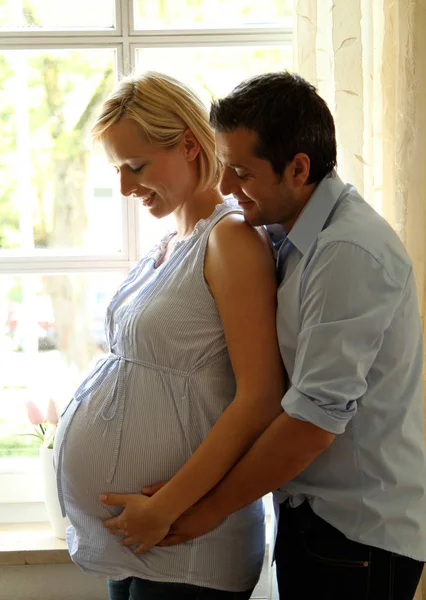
point(191, 146)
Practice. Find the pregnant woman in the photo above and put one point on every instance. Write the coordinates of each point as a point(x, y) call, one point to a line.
point(193, 375)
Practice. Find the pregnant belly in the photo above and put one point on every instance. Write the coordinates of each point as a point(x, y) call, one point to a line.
point(122, 454)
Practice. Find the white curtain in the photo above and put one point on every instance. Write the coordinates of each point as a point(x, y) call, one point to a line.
point(368, 60)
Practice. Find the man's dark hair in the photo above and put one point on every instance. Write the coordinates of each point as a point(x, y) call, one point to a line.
point(288, 116)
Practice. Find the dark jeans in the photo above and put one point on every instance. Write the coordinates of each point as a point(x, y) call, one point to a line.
point(315, 560)
point(134, 588)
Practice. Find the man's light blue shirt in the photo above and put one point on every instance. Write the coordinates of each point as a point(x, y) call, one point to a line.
point(351, 340)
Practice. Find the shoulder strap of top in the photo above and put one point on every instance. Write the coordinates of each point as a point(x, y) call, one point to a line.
point(228, 207)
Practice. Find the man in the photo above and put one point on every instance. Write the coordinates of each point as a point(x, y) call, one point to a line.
point(347, 454)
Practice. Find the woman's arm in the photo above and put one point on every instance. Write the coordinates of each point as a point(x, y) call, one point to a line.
point(240, 272)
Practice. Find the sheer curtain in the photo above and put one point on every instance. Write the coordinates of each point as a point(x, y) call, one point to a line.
point(368, 60)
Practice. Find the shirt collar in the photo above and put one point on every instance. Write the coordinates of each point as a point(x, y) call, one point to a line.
point(277, 233)
point(312, 219)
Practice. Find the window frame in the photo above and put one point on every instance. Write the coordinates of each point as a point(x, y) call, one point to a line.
point(124, 38)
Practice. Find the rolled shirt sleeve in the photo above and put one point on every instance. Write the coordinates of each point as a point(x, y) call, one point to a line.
point(347, 300)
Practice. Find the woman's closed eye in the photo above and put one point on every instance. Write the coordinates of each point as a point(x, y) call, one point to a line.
point(136, 169)
point(131, 169)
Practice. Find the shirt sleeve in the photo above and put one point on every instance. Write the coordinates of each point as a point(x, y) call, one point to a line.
point(347, 301)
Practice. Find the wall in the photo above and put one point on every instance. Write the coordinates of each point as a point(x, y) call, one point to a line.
point(50, 582)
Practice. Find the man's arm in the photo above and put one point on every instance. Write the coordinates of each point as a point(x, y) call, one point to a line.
point(282, 452)
point(270, 463)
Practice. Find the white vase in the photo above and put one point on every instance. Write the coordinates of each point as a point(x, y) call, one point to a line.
point(58, 522)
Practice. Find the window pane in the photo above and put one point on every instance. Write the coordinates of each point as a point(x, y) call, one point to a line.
point(54, 14)
point(214, 72)
point(175, 14)
point(55, 192)
point(51, 333)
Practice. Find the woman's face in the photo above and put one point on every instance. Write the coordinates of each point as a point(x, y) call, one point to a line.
point(160, 177)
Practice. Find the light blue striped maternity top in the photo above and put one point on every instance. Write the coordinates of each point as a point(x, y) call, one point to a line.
point(143, 411)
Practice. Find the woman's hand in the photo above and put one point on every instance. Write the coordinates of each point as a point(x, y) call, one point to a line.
point(138, 522)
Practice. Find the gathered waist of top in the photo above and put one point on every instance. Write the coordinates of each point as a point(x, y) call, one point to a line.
point(156, 366)
point(143, 363)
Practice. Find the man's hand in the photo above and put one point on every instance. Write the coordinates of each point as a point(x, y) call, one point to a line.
point(196, 521)
point(137, 522)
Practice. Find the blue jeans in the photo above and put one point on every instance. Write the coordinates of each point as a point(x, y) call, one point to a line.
point(315, 560)
point(134, 588)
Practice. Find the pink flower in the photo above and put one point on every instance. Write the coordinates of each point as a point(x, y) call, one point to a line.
point(52, 416)
point(34, 413)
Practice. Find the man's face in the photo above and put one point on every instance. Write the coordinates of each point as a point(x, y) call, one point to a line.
point(264, 196)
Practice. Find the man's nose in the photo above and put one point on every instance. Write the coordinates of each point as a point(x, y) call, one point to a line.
point(227, 182)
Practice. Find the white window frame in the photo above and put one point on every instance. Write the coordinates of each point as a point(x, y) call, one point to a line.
point(22, 501)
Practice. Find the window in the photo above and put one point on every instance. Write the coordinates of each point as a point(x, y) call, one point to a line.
point(66, 236)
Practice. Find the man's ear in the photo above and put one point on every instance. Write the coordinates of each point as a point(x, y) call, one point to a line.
point(298, 169)
point(191, 146)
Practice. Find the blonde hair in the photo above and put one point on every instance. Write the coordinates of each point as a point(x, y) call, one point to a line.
point(163, 107)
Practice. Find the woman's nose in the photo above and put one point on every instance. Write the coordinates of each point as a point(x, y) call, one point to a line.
point(127, 185)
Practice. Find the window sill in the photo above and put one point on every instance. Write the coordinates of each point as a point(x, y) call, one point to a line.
point(31, 544)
